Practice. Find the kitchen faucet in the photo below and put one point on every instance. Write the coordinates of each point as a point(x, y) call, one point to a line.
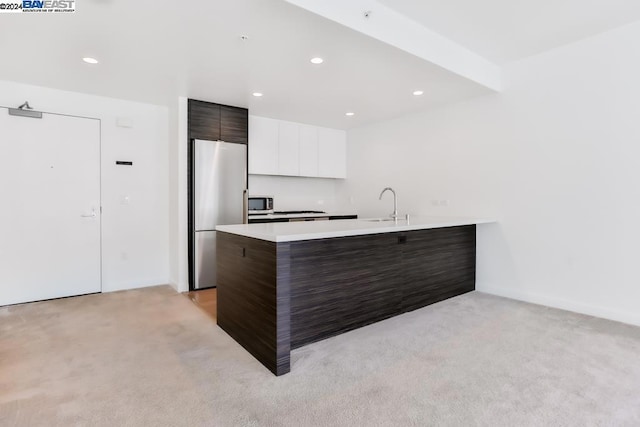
point(394, 215)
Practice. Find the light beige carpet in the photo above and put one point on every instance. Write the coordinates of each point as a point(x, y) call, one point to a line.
point(151, 358)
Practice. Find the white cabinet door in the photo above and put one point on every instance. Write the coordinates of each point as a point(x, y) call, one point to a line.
point(277, 147)
point(50, 216)
point(308, 150)
point(332, 153)
point(288, 149)
point(263, 146)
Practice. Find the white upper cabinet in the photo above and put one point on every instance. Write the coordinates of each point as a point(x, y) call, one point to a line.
point(288, 149)
point(263, 145)
point(308, 150)
point(278, 147)
point(332, 153)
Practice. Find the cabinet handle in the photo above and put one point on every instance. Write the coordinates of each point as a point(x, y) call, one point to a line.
point(402, 240)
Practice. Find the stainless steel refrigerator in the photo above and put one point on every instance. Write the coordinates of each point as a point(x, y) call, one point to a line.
point(220, 173)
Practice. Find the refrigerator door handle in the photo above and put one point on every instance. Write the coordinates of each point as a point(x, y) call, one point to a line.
point(245, 206)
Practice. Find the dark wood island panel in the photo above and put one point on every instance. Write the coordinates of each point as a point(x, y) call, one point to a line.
point(342, 284)
point(253, 298)
point(273, 297)
point(437, 264)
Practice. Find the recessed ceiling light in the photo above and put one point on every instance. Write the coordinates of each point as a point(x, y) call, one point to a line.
point(317, 60)
point(349, 114)
point(257, 94)
point(90, 60)
point(417, 92)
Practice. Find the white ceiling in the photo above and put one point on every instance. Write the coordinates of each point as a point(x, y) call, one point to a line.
point(154, 51)
point(506, 30)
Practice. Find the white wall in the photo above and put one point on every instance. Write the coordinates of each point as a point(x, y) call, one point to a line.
point(296, 193)
point(135, 243)
point(554, 158)
point(178, 197)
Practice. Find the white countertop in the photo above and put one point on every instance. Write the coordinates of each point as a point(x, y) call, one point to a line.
point(310, 230)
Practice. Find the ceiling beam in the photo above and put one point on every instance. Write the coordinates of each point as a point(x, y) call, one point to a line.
point(395, 29)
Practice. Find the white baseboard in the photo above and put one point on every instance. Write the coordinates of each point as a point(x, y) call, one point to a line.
point(179, 287)
point(577, 307)
point(126, 287)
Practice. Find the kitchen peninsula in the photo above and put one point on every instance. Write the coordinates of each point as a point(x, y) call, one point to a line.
point(285, 285)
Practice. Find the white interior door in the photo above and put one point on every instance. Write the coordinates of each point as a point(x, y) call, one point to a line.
point(50, 207)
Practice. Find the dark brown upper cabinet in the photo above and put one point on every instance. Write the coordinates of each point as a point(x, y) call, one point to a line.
point(218, 122)
point(204, 120)
point(234, 124)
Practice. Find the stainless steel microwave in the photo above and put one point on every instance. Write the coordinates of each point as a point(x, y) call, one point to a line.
point(260, 205)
